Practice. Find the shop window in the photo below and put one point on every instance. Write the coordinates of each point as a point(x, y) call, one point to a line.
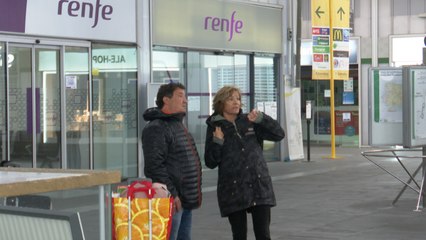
point(114, 75)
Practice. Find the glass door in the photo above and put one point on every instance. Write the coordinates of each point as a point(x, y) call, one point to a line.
point(47, 109)
point(3, 135)
point(20, 99)
point(77, 89)
point(34, 106)
point(207, 73)
point(115, 123)
point(48, 93)
point(266, 96)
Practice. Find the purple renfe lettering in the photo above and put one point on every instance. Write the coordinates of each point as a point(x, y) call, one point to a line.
point(238, 26)
point(231, 33)
point(206, 22)
point(79, 8)
point(215, 24)
point(73, 7)
point(230, 26)
point(98, 5)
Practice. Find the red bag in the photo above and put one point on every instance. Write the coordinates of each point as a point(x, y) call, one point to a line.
point(150, 216)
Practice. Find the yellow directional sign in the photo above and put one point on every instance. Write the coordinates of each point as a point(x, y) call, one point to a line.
point(320, 13)
point(340, 13)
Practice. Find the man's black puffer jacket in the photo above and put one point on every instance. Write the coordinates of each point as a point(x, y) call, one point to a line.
point(171, 156)
point(244, 179)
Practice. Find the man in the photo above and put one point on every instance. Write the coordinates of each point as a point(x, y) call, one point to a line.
point(171, 156)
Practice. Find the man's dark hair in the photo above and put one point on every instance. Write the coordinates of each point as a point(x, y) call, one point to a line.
point(166, 90)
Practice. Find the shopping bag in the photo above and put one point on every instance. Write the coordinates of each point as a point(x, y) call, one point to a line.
point(148, 217)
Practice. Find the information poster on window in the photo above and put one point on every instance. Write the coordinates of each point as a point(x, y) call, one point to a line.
point(71, 82)
point(348, 85)
point(348, 98)
point(388, 96)
point(271, 109)
point(414, 101)
point(385, 106)
point(346, 123)
point(419, 104)
point(348, 92)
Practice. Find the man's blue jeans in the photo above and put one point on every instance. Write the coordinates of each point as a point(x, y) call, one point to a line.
point(181, 225)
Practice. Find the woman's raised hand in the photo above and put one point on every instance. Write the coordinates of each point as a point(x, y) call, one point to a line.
point(218, 133)
point(252, 115)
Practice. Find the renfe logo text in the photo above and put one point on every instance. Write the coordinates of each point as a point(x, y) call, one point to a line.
point(223, 24)
point(85, 10)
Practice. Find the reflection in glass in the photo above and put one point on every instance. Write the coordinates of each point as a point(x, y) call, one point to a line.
point(20, 106)
point(115, 108)
point(206, 75)
point(3, 65)
point(345, 101)
point(167, 66)
point(265, 97)
point(77, 107)
point(48, 108)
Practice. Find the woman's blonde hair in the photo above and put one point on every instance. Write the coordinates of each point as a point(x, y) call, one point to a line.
point(221, 96)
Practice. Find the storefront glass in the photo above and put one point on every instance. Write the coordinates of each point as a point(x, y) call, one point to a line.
point(266, 97)
point(77, 107)
point(206, 74)
point(36, 105)
point(346, 102)
point(48, 107)
point(3, 135)
point(346, 112)
point(20, 97)
point(167, 67)
point(114, 73)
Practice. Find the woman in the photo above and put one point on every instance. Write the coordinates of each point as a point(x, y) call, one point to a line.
point(234, 145)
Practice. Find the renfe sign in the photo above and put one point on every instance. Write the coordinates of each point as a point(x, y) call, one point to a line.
point(217, 24)
point(82, 19)
point(86, 9)
point(221, 25)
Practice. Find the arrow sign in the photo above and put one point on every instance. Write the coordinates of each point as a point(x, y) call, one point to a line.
point(340, 40)
point(320, 15)
point(339, 18)
point(341, 12)
point(318, 12)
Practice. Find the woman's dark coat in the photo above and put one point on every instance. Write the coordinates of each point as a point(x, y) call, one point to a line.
point(244, 179)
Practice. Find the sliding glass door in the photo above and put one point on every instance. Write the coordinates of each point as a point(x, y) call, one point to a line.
point(20, 99)
point(207, 73)
point(37, 75)
point(77, 107)
point(3, 135)
point(46, 112)
point(266, 96)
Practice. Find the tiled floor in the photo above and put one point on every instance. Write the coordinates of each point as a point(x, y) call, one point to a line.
point(343, 198)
